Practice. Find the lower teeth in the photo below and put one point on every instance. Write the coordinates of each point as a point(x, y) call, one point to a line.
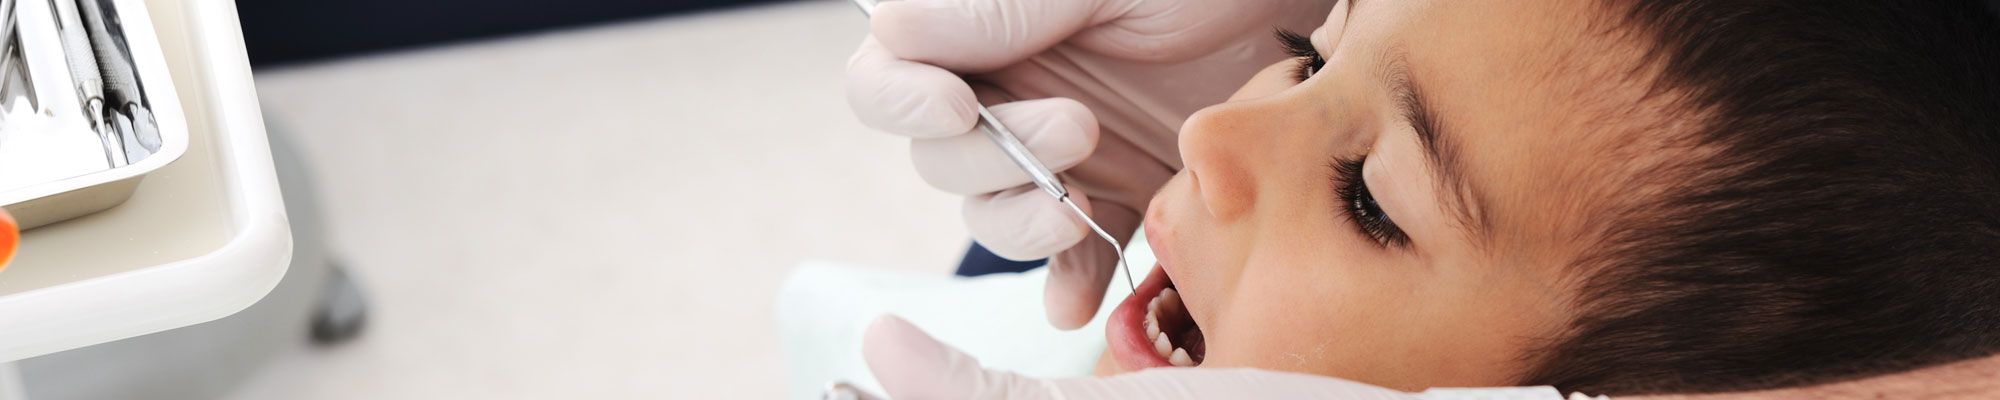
point(1170, 300)
point(1180, 358)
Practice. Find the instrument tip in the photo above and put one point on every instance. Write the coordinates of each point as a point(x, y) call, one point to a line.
point(1122, 266)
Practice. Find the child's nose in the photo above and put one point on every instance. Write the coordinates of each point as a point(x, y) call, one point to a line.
point(1223, 146)
point(1213, 147)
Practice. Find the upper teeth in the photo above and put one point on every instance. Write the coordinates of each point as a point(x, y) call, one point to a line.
point(1177, 356)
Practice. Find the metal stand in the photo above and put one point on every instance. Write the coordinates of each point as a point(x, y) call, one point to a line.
point(342, 311)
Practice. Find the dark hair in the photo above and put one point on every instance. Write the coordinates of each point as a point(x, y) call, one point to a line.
point(1844, 216)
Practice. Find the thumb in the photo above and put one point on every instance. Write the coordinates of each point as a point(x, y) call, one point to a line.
point(1080, 275)
point(974, 36)
point(911, 365)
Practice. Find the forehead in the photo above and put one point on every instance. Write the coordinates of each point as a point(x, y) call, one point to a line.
point(1547, 103)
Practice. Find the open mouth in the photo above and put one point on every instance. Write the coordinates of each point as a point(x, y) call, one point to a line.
point(1153, 329)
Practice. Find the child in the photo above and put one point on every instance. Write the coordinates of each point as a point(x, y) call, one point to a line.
point(1608, 196)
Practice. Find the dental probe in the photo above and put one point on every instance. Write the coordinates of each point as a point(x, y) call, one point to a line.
point(89, 80)
point(1037, 172)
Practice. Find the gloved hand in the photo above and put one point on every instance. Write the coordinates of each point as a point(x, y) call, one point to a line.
point(911, 365)
point(1096, 88)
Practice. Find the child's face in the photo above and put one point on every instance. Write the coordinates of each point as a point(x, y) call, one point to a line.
point(1451, 266)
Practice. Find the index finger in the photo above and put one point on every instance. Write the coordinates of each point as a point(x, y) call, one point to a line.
point(907, 97)
point(910, 364)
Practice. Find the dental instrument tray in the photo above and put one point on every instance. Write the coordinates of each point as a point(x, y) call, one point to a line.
point(86, 107)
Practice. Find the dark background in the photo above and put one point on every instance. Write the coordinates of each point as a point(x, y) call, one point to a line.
point(283, 31)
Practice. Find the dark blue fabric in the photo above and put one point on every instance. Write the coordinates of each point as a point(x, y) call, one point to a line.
point(979, 261)
point(282, 31)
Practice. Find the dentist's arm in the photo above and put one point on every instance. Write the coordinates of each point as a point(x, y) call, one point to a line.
point(911, 365)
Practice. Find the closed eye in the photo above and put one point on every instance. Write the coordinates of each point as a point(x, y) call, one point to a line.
point(1302, 51)
point(1360, 207)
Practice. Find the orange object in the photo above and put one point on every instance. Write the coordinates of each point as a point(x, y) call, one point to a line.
point(10, 235)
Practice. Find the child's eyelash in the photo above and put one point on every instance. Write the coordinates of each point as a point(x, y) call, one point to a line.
point(1359, 205)
point(1301, 49)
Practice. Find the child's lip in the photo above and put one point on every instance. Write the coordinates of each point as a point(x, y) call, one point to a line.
point(1125, 331)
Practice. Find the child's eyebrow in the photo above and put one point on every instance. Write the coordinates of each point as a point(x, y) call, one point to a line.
point(1440, 151)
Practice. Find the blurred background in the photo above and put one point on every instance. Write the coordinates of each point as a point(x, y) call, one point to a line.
point(578, 199)
point(584, 199)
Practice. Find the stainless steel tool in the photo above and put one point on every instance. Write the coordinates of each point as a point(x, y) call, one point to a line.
point(106, 80)
point(1037, 172)
point(87, 107)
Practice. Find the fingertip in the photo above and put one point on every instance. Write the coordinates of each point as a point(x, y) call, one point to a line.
point(904, 27)
point(890, 14)
point(907, 98)
point(898, 353)
point(931, 32)
point(1067, 303)
point(910, 364)
point(1064, 315)
point(967, 165)
point(887, 335)
point(1003, 31)
point(1073, 293)
point(947, 108)
point(1022, 223)
point(1060, 131)
point(1079, 119)
point(1080, 275)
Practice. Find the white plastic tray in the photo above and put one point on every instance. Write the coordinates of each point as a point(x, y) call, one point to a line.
point(200, 239)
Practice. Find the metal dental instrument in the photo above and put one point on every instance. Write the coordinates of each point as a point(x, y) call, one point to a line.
point(12, 66)
point(125, 103)
point(1037, 172)
point(106, 81)
point(89, 80)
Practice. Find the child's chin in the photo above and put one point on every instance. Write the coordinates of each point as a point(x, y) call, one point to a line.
point(1106, 366)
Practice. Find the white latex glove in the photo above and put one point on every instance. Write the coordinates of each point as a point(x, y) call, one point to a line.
point(911, 365)
point(1096, 88)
